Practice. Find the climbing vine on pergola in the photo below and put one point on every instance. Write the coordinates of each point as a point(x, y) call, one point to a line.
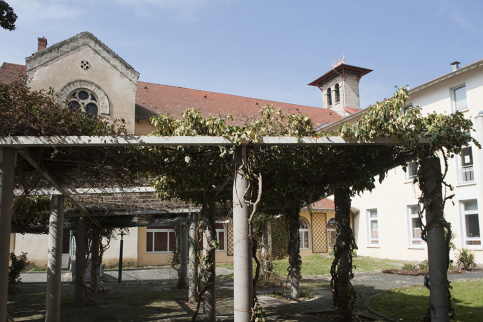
point(281, 164)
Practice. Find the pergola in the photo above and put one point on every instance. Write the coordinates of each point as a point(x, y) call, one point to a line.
point(10, 146)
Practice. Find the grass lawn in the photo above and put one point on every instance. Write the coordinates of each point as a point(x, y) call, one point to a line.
point(410, 303)
point(319, 264)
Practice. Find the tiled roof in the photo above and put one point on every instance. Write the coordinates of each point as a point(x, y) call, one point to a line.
point(154, 99)
point(351, 110)
point(11, 72)
point(327, 204)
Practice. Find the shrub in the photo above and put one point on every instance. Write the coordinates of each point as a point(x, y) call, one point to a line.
point(424, 265)
point(408, 267)
point(466, 259)
point(18, 265)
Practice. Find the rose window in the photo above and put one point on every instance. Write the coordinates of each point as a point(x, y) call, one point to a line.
point(84, 100)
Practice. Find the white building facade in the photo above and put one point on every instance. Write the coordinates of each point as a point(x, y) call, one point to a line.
point(388, 223)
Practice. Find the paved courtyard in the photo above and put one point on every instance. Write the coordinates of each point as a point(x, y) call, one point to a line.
point(151, 295)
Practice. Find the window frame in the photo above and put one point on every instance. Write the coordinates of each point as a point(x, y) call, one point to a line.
point(302, 236)
point(337, 93)
point(168, 231)
point(455, 102)
point(465, 171)
point(408, 176)
point(218, 231)
point(370, 220)
point(464, 229)
point(414, 242)
point(329, 97)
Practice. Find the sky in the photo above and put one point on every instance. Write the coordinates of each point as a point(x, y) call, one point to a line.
point(265, 49)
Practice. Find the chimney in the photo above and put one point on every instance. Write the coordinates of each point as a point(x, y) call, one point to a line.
point(42, 43)
point(456, 65)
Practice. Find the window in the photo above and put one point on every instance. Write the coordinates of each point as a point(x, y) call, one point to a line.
point(466, 172)
point(459, 97)
point(411, 170)
point(337, 93)
point(471, 223)
point(331, 232)
point(329, 97)
point(414, 226)
point(220, 236)
point(83, 99)
point(373, 221)
point(304, 234)
point(160, 239)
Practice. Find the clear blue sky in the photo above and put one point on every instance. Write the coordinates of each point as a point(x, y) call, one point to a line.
point(267, 49)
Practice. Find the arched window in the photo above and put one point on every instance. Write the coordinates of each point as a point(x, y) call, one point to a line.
point(304, 234)
point(329, 97)
point(83, 99)
point(337, 93)
point(86, 96)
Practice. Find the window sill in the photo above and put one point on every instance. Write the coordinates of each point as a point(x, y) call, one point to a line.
point(417, 247)
point(162, 252)
point(410, 180)
point(464, 184)
point(373, 246)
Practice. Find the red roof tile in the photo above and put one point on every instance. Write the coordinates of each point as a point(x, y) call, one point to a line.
point(156, 99)
point(352, 110)
point(326, 204)
point(11, 72)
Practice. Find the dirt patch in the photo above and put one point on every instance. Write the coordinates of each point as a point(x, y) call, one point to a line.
point(413, 272)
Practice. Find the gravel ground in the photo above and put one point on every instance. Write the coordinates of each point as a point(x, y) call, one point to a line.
point(146, 274)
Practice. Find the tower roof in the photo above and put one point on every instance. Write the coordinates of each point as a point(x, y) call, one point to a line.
point(340, 68)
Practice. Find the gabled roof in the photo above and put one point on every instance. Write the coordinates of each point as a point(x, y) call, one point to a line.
point(77, 41)
point(155, 99)
point(461, 70)
point(11, 72)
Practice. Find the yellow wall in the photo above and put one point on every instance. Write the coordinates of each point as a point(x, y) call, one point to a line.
point(150, 259)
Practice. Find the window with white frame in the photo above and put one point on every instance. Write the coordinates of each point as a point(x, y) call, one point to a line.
point(471, 223)
point(304, 234)
point(411, 170)
point(160, 239)
point(459, 98)
point(466, 173)
point(414, 226)
point(373, 222)
point(220, 236)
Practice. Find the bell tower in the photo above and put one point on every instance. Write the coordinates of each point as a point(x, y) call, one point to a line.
point(340, 87)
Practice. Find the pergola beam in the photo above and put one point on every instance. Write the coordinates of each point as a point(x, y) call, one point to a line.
point(80, 141)
point(50, 178)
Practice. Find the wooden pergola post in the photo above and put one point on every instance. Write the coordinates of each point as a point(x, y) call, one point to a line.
point(193, 259)
point(7, 167)
point(183, 269)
